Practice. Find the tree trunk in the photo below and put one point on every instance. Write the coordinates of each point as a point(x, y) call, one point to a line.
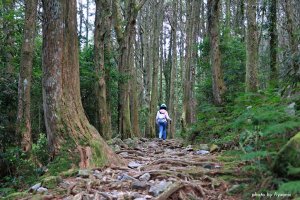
point(102, 36)
point(87, 24)
point(172, 98)
point(273, 43)
point(213, 28)
point(68, 130)
point(291, 28)
point(154, 89)
point(187, 93)
point(252, 48)
point(125, 40)
point(81, 17)
point(9, 40)
point(134, 97)
point(23, 126)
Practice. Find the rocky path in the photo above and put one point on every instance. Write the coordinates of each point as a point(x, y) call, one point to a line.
point(156, 170)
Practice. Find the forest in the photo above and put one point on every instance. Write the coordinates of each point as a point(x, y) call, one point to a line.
point(82, 84)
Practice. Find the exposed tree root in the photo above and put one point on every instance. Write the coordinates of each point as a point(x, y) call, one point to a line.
point(131, 152)
point(179, 186)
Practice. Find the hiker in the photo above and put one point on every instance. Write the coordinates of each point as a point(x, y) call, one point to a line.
point(162, 118)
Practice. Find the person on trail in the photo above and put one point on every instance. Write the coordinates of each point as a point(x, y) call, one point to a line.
point(162, 118)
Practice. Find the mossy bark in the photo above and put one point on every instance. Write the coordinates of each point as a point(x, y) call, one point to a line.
point(23, 126)
point(68, 129)
point(218, 84)
point(288, 158)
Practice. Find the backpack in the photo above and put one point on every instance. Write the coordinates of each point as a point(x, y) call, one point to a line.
point(161, 118)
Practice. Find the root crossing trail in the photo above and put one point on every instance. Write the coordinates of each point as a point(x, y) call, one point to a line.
point(156, 170)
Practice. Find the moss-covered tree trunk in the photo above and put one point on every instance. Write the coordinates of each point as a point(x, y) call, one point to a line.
point(172, 98)
point(287, 162)
point(217, 74)
point(126, 40)
point(151, 130)
point(252, 48)
point(23, 126)
point(273, 44)
point(102, 36)
point(68, 130)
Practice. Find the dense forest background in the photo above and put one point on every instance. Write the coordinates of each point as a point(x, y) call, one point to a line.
point(228, 70)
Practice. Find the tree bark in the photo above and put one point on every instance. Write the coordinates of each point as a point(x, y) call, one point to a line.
point(172, 98)
point(87, 23)
point(125, 40)
point(155, 54)
point(252, 48)
point(187, 85)
point(68, 130)
point(9, 40)
point(101, 37)
point(23, 126)
point(217, 75)
point(273, 43)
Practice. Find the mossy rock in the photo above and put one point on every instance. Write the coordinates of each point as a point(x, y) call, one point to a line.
point(213, 148)
point(51, 182)
point(37, 197)
point(287, 161)
point(69, 173)
point(16, 195)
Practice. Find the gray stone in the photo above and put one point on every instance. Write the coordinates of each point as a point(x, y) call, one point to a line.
point(78, 196)
point(84, 173)
point(189, 148)
point(202, 152)
point(42, 190)
point(124, 154)
point(133, 164)
point(290, 109)
point(139, 185)
point(125, 177)
point(204, 147)
point(159, 188)
point(98, 174)
point(145, 177)
point(116, 147)
point(69, 198)
point(35, 187)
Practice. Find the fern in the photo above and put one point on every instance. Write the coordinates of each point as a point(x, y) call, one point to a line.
point(292, 187)
point(256, 155)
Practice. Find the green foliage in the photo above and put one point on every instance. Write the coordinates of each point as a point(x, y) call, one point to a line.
point(21, 169)
point(291, 187)
point(39, 150)
point(233, 52)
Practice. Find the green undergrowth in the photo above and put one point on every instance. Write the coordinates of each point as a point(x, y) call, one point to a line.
point(252, 128)
point(27, 169)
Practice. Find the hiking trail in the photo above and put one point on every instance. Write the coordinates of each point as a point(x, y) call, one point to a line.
point(156, 170)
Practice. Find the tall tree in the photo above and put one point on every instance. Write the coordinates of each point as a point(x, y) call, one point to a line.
point(155, 55)
point(87, 23)
point(81, 18)
point(67, 127)
point(213, 29)
point(23, 126)
point(252, 48)
point(101, 38)
point(273, 43)
point(172, 98)
point(8, 33)
point(293, 40)
point(126, 41)
point(187, 84)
